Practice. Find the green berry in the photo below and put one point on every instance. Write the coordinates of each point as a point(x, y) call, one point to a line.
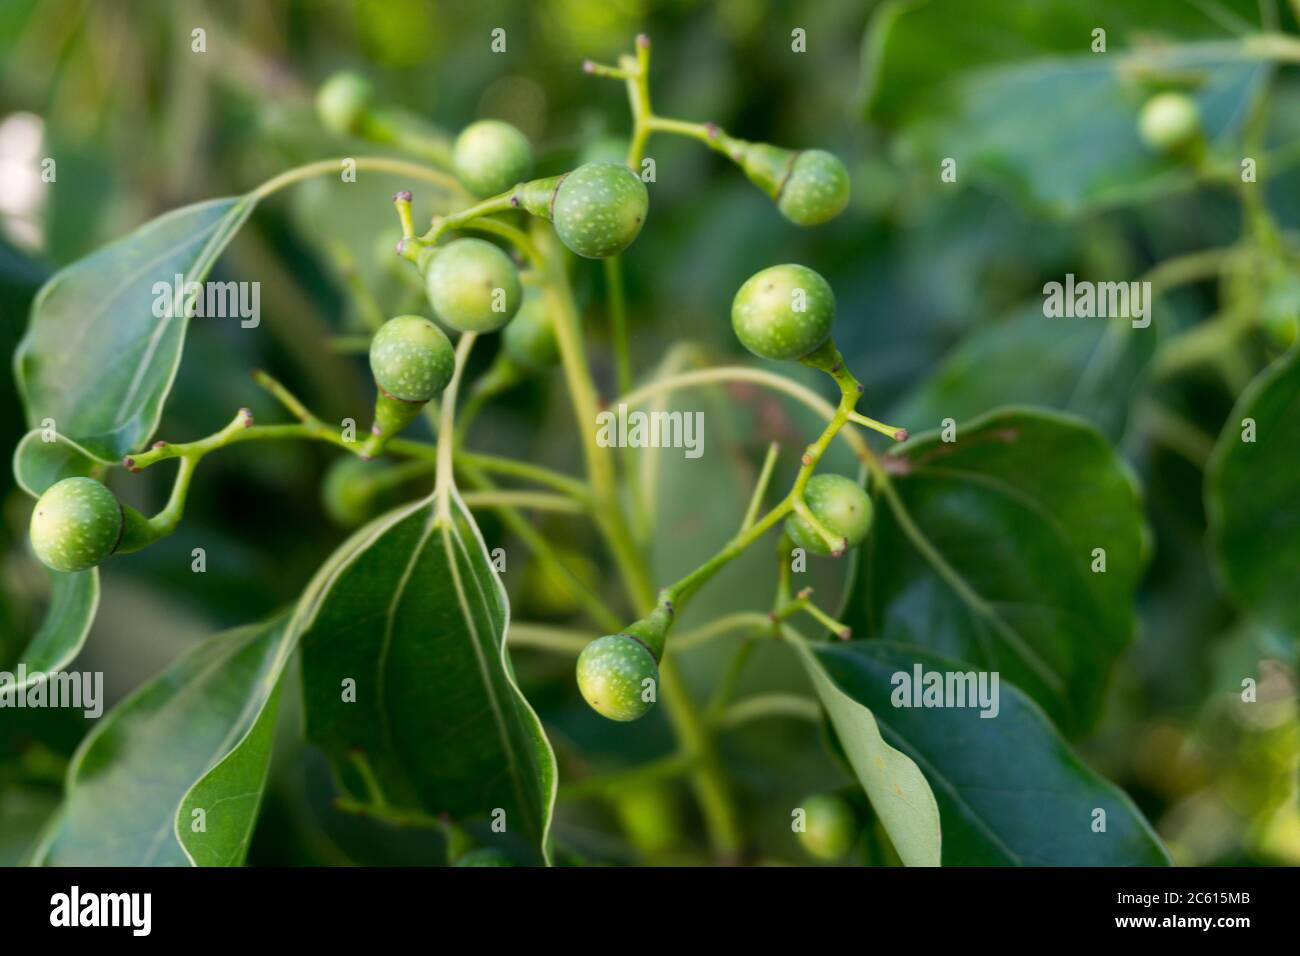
point(817, 189)
point(784, 312)
point(77, 523)
point(342, 103)
point(491, 156)
point(810, 187)
point(484, 856)
point(612, 675)
point(473, 286)
point(599, 208)
point(837, 502)
point(649, 816)
point(529, 339)
point(1169, 122)
point(355, 490)
point(830, 826)
point(411, 358)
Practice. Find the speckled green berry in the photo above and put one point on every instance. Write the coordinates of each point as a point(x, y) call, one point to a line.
point(599, 208)
point(484, 856)
point(618, 677)
point(837, 502)
point(1169, 122)
point(411, 358)
point(830, 826)
point(473, 286)
point(783, 312)
point(529, 339)
point(817, 189)
point(491, 156)
point(810, 187)
point(77, 523)
point(342, 103)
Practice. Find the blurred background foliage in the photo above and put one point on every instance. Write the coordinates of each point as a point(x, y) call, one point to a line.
point(939, 289)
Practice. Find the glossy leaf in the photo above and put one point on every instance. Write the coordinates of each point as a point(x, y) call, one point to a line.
point(1089, 367)
point(96, 359)
point(74, 598)
point(931, 70)
point(1010, 790)
point(411, 611)
point(1252, 498)
point(899, 793)
point(39, 464)
point(136, 768)
point(985, 552)
point(229, 796)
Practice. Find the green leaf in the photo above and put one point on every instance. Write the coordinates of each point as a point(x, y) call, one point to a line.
point(898, 792)
point(1253, 498)
point(229, 796)
point(134, 772)
point(1090, 368)
point(983, 550)
point(96, 359)
point(1010, 790)
point(74, 598)
point(411, 609)
point(972, 83)
point(39, 463)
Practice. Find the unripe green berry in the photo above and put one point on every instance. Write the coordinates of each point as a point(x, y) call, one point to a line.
point(342, 103)
point(491, 156)
point(1169, 122)
point(612, 674)
point(411, 358)
point(355, 490)
point(77, 523)
point(830, 826)
point(817, 189)
point(840, 504)
point(529, 339)
point(783, 312)
point(599, 208)
point(484, 856)
point(473, 286)
point(810, 187)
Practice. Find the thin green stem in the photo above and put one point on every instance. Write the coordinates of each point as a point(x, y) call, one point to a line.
point(730, 678)
point(378, 164)
point(600, 613)
point(447, 428)
point(525, 471)
point(762, 706)
point(803, 602)
point(512, 234)
point(529, 500)
point(544, 637)
point(728, 623)
point(760, 486)
point(741, 373)
point(605, 785)
point(618, 322)
point(460, 220)
point(582, 395)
